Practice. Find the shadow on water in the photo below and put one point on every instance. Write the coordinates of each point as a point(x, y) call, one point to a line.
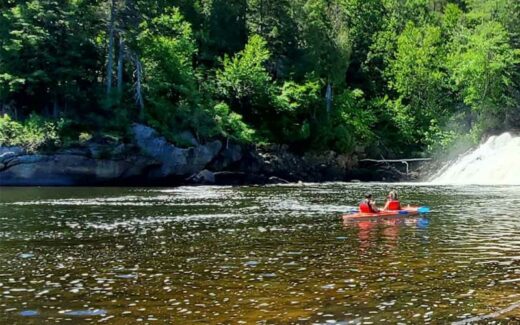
point(274, 254)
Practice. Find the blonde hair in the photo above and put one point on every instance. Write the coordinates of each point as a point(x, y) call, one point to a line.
point(393, 195)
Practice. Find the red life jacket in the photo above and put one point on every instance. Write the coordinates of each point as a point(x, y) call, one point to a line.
point(394, 205)
point(364, 207)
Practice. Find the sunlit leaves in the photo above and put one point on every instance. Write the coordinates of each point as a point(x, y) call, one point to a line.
point(245, 75)
point(481, 62)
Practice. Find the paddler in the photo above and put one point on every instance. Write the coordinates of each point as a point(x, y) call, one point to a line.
point(392, 202)
point(368, 205)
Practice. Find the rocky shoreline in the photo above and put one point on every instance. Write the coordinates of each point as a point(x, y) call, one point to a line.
point(151, 160)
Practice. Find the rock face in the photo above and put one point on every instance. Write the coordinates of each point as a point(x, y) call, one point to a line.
point(277, 161)
point(69, 167)
point(228, 156)
point(174, 161)
point(150, 159)
point(203, 177)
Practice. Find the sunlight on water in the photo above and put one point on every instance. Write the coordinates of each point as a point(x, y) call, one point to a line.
point(273, 254)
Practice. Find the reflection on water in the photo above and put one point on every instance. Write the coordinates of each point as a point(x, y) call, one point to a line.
point(275, 254)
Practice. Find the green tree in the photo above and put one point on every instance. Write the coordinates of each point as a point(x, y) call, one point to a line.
point(327, 45)
point(243, 80)
point(275, 21)
point(167, 48)
point(48, 62)
point(481, 62)
point(419, 78)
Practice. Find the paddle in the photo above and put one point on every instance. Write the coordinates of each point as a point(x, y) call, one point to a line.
point(423, 209)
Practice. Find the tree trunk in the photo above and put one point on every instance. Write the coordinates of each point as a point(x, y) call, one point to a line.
point(120, 60)
point(328, 97)
point(110, 59)
point(138, 74)
point(55, 108)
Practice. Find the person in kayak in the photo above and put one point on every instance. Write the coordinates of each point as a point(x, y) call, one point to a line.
point(392, 203)
point(368, 205)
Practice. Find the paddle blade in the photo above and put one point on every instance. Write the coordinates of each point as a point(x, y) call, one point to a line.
point(423, 210)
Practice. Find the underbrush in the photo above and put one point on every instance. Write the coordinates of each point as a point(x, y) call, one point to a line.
point(32, 134)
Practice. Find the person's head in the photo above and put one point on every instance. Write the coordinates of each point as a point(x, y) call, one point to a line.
point(368, 196)
point(393, 195)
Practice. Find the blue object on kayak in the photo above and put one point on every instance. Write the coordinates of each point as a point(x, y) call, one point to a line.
point(423, 210)
point(403, 212)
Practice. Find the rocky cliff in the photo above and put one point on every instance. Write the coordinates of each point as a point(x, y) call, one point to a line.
point(151, 160)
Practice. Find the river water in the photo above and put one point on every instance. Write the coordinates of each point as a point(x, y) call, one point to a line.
point(271, 254)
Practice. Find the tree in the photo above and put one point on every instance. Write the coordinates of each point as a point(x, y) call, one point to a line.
point(275, 22)
point(418, 76)
point(481, 62)
point(327, 45)
point(243, 79)
point(48, 61)
point(167, 48)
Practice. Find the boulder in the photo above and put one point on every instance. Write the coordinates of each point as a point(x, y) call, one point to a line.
point(7, 153)
point(174, 161)
point(228, 156)
point(203, 177)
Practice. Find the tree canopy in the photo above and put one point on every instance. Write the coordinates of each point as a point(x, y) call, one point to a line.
point(390, 76)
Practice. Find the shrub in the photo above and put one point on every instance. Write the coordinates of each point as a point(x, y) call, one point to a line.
point(230, 124)
point(84, 137)
point(32, 134)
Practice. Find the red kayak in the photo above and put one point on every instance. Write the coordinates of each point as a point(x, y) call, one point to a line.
point(407, 211)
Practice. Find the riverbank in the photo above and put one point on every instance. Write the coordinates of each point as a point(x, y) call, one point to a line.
point(149, 159)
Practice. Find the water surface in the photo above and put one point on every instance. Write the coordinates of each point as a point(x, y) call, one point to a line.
point(275, 254)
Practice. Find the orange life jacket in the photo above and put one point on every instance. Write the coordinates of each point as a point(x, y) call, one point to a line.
point(394, 205)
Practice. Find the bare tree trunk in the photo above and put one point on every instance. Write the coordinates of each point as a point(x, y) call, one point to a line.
point(55, 108)
point(328, 97)
point(138, 74)
point(111, 31)
point(120, 60)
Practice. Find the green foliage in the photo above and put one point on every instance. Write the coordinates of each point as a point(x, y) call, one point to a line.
point(32, 134)
point(167, 49)
point(174, 103)
point(294, 108)
point(481, 61)
point(243, 79)
point(407, 76)
point(231, 125)
point(327, 38)
point(349, 124)
point(47, 57)
point(84, 137)
point(437, 139)
point(418, 77)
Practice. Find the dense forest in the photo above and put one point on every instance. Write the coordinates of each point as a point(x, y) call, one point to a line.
point(393, 76)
